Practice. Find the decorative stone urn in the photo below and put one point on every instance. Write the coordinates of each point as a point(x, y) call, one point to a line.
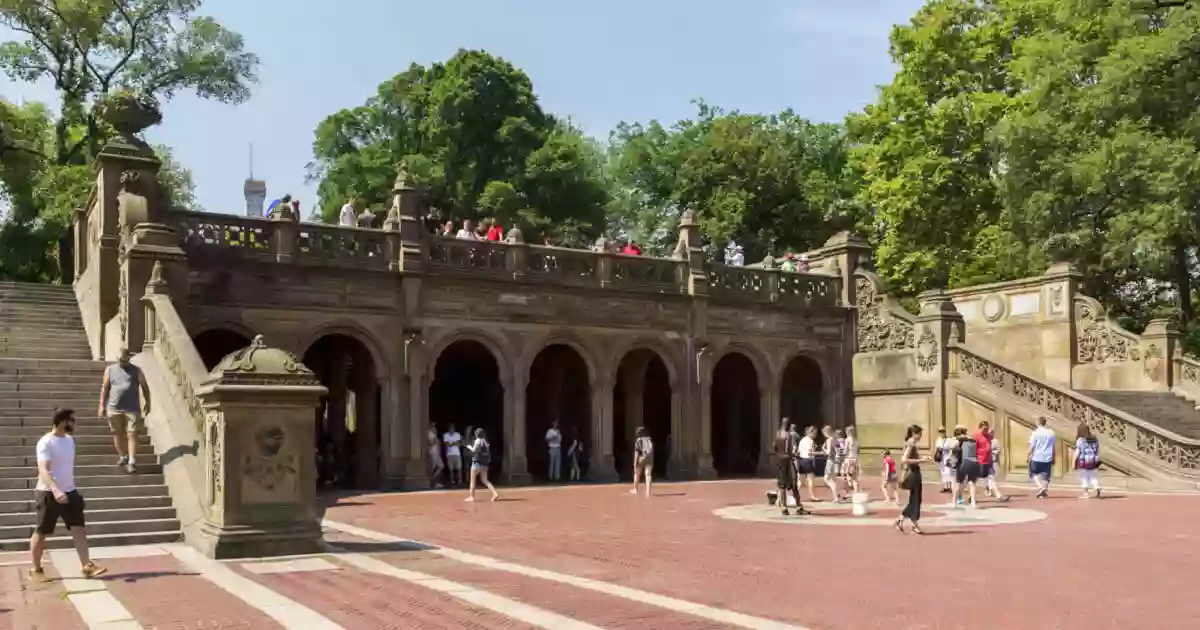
point(260, 473)
point(129, 114)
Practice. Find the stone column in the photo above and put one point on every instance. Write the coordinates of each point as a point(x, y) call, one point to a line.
point(938, 325)
point(410, 467)
point(768, 405)
point(516, 465)
point(602, 466)
point(702, 376)
point(285, 233)
point(1159, 343)
point(260, 474)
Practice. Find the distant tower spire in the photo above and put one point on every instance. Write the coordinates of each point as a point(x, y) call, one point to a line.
point(255, 191)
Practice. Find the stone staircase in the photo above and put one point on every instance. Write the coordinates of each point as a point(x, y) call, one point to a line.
point(1163, 409)
point(45, 363)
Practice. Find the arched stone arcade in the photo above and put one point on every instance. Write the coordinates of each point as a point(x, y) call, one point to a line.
point(736, 416)
point(466, 392)
point(643, 396)
point(558, 390)
point(348, 422)
point(801, 393)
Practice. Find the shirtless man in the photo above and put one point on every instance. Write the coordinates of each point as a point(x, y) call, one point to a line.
point(781, 452)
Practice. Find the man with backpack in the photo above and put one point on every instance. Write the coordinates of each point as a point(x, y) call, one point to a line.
point(643, 460)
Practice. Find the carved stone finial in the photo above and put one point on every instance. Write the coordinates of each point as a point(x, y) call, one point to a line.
point(768, 262)
point(514, 237)
point(283, 212)
point(688, 219)
point(131, 182)
point(391, 222)
point(259, 364)
point(601, 244)
point(402, 178)
point(366, 219)
point(158, 280)
point(129, 114)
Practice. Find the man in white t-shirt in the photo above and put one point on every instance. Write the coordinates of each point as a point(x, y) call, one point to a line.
point(1041, 457)
point(56, 496)
point(453, 441)
point(554, 445)
point(348, 215)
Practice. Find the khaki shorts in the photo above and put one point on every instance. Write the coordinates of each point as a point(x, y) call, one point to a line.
point(120, 421)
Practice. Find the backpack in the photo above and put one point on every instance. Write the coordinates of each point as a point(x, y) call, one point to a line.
point(1087, 456)
point(482, 455)
point(644, 447)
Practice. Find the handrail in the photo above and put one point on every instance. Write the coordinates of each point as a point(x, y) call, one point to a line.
point(1157, 444)
point(178, 355)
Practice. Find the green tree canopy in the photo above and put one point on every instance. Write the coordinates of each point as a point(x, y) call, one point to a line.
point(474, 137)
point(769, 182)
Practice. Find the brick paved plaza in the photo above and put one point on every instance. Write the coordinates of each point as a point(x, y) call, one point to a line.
point(588, 557)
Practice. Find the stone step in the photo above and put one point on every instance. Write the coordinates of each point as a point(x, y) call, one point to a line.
point(107, 458)
point(62, 540)
point(75, 400)
point(107, 527)
point(93, 515)
point(84, 444)
point(53, 391)
point(24, 352)
point(147, 489)
point(34, 429)
point(91, 481)
point(58, 367)
point(82, 472)
point(94, 503)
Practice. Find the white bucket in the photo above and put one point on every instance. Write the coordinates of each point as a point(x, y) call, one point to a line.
point(859, 503)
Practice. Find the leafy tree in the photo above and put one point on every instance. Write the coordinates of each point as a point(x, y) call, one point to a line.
point(472, 134)
point(87, 48)
point(768, 182)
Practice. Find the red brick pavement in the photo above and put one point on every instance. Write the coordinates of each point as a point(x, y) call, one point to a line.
point(1090, 565)
point(163, 594)
point(26, 606)
point(588, 606)
point(360, 600)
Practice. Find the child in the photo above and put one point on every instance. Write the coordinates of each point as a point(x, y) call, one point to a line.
point(890, 483)
point(850, 466)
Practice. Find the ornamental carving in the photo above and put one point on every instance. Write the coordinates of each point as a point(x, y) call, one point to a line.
point(215, 459)
point(927, 350)
point(266, 465)
point(1153, 361)
point(1106, 425)
point(1100, 340)
point(879, 329)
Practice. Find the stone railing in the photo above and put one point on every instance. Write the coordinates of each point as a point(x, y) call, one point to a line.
point(175, 352)
point(1161, 448)
point(1187, 377)
point(342, 246)
point(883, 325)
point(450, 255)
point(773, 285)
point(205, 232)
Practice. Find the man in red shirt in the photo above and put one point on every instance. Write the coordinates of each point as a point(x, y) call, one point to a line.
point(983, 450)
point(495, 232)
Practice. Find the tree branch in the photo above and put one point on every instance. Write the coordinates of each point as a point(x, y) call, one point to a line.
point(53, 8)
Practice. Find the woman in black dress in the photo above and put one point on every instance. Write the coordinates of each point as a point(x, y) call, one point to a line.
point(911, 460)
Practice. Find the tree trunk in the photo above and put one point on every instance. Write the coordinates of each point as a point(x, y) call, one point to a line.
point(1183, 284)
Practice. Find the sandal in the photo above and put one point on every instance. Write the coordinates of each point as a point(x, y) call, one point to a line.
point(900, 525)
point(916, 529)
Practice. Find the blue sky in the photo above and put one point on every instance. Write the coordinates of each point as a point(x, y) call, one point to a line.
point(596, 62)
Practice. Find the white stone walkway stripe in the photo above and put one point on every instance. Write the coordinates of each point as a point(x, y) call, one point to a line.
point(96, 606)
point(711, 613)
point(289, 613)
point(481, 599)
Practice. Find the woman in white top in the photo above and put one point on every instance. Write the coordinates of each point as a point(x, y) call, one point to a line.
point(807, 465)
point(942, 448)
point(850, 466)
point(435, 456)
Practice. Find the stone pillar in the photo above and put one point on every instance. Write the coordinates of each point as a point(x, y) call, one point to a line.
point(152, 244)
point(602, 466)
point(768, 411)
point(516, 465)
point(260, 474)
point(283, 219)
point(409, 468)
point(406, 207)
point(701, 375)
point(938, 325)
point(1159, 344)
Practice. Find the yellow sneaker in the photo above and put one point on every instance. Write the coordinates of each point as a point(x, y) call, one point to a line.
point(92, 570)
point(37, 576)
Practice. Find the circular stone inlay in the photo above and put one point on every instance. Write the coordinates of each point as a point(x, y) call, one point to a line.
point(993, 307)
point(884, 514)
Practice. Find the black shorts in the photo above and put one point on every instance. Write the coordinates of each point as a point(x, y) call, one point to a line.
point(49, 511)
point(785, 474)
point(968, 472)
point(807, 466)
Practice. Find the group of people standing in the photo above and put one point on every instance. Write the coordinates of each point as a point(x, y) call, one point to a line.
point(796, 458)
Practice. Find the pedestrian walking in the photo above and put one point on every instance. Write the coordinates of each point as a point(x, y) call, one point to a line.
point(835, 454)
point(850, 467)
point(889, 482)
point(575, 455)
point(941, 454)
point(807, 464)
point(121, 404)
point(554, 446)
point(1041, 457)
point(57, 498)
point(643, 460)
point(783, 452)
point(911, 459)
point(481, 458)
point(968, 467)
point(435, 456)
point(1087, 460)
point(986, 448)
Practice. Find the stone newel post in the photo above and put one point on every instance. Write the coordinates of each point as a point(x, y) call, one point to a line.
point(938, 325)
point(260, 472)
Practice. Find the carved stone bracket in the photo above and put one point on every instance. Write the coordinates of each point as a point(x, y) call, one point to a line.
point(1100, 339)
point(878, 327)
point(927, 350)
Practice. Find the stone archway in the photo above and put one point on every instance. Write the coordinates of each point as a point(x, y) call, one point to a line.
point(215, 344)
point(736, 421)
point(348, 425)
point(466, 392)
point(559, 390)
point(642, 397)
point(801, 393)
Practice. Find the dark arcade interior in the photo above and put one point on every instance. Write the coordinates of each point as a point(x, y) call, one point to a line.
point(641, 397)
point(559, 390)
point(466, 392)
point(734, 401)
point(347, 435)
point(800, 394)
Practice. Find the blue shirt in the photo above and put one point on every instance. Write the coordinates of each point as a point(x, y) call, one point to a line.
point(1042, 443)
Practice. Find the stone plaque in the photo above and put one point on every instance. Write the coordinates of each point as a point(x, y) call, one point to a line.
point(969, 309)
point(269, 468)
point(1024, 304)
